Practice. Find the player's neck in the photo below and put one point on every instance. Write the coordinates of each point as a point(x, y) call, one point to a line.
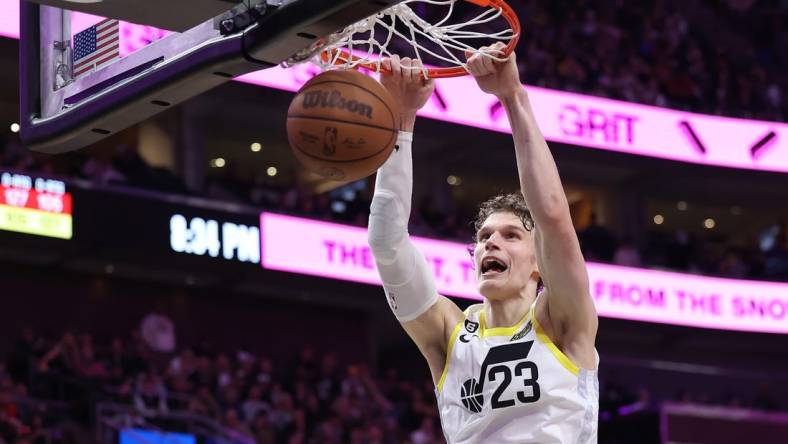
point(506, 312)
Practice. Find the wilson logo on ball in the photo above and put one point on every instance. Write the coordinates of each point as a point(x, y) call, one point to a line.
point(334, 99)
point(332, 129)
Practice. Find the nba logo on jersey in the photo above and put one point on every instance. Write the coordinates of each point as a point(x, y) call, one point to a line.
point(521, 334)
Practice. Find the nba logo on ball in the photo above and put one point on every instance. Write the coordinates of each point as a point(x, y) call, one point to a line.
point(471, 396)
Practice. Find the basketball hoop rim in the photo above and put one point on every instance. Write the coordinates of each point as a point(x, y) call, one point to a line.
point(437, 73)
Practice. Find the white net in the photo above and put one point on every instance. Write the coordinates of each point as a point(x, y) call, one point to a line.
point(391, 31)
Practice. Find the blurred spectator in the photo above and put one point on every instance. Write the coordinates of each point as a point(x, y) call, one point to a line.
point(254, 405)
point(203, 403)
point(598, 242)
point(158, 331)
point(732, 265)
point(776, 258)
point(100, 169)
point(234, 423)
point(282, 416)
point(64, 357)
point(150, 394)
point(425, 434)
point(90, 367)
point(657, 53)
point(262, 430)
point(316, 402)
point(627, 254)
point(27, 350)
point(680, 250)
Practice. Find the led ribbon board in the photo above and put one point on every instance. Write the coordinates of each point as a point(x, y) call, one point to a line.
point(564, 117)
point(596, 122)
point(341, 252)
point(37, 206)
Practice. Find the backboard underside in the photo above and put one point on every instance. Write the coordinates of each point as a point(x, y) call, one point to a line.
point(60, 113)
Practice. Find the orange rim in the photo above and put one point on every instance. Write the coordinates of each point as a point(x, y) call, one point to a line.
point(437, 73)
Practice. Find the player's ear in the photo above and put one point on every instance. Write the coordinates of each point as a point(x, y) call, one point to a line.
point(538, 278)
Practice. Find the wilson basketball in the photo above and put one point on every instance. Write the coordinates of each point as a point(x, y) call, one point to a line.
point(342, 125)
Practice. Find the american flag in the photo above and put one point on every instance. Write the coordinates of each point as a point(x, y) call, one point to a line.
point(96, 46)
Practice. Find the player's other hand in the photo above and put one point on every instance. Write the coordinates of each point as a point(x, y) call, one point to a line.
point(501, 79)
point(406, 84)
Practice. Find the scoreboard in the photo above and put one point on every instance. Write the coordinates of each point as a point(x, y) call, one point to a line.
point(35, 205)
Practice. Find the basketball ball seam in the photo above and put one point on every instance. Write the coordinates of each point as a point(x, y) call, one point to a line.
point(350, 122)
point(335, 160)
point(391, 113)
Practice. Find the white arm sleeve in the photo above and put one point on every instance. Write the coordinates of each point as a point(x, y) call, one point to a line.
point(409, 286)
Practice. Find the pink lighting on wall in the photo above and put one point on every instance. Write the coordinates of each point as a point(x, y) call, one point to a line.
point(335, 251)
point(595, 122)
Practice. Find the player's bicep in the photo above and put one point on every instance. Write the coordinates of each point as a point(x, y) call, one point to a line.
point(564, 274)
point(431, 330)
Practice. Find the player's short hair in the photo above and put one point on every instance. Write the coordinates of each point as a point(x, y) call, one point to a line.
point(504, 203)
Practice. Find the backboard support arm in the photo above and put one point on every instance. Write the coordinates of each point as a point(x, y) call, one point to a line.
point(165, 73)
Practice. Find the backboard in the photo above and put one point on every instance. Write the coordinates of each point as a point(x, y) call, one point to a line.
point(215, 41)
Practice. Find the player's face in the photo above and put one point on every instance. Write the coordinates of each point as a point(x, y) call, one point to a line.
point(504, 255)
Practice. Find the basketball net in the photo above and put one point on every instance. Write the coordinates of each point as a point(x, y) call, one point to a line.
point(446, 40)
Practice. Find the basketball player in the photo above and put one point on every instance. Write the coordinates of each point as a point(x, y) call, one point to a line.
point(520, 367)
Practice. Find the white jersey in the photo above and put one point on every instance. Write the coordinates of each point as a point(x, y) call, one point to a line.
point(513, 385)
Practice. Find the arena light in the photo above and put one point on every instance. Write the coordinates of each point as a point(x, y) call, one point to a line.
point(271, 171)
point(219, 162)
point(682, 205)
point(659, 219)
point(14, 127)
point(341, 252)
point(709, 223)
point(454, 181)
point(256, 147)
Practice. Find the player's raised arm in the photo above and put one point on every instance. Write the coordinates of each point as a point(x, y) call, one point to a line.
point(410, 288)
point(569, 307)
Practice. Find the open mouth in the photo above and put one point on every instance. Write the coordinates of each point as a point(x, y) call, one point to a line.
point(492, 266)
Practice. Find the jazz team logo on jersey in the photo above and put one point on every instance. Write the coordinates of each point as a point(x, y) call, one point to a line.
point(503, 365)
